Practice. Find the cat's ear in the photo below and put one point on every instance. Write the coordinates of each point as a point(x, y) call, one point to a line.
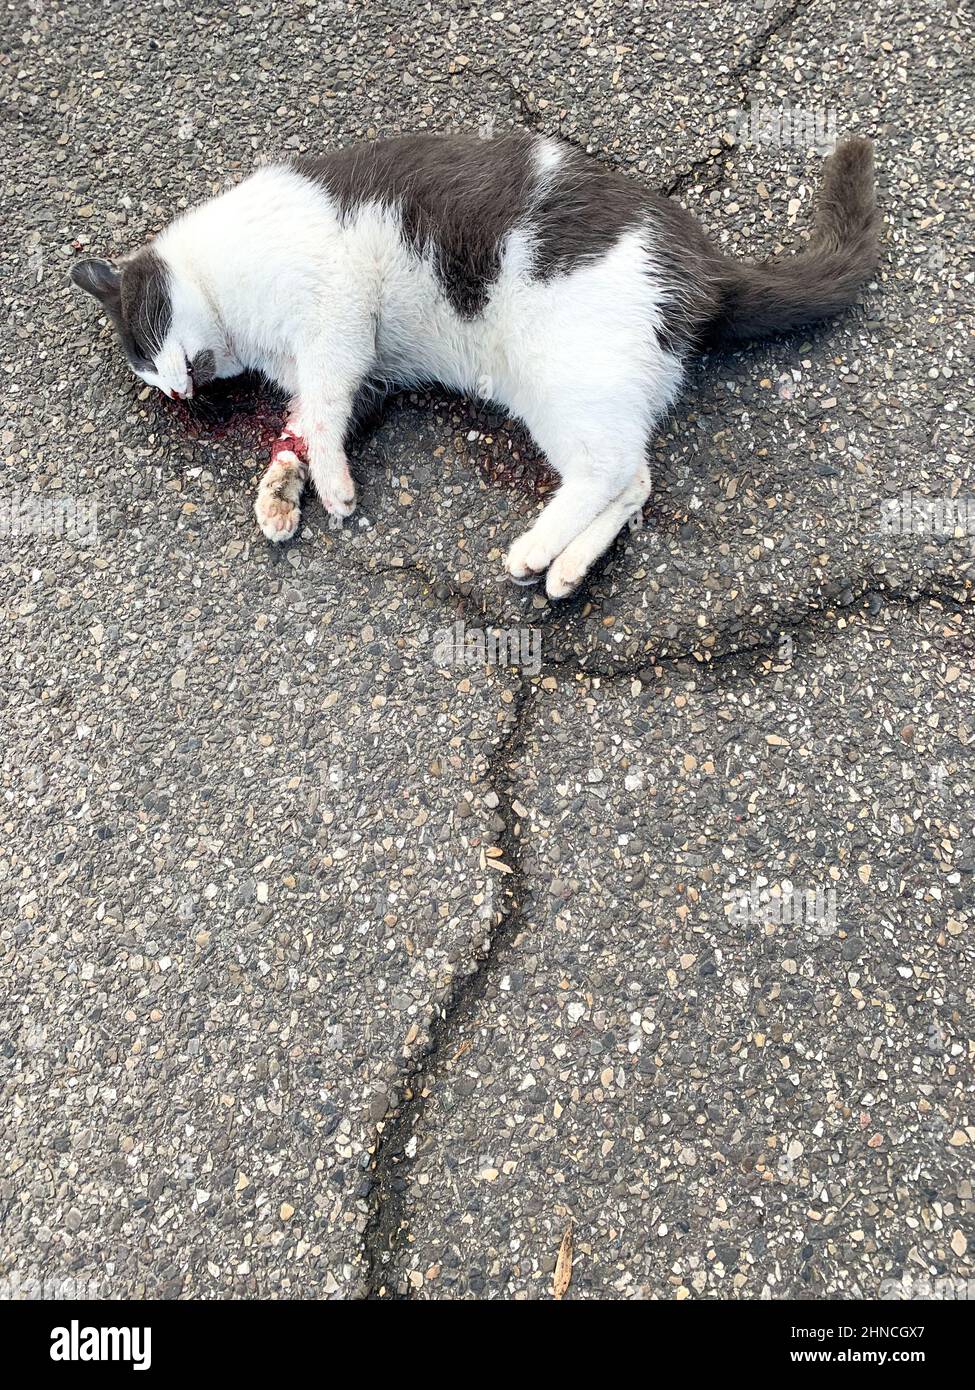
point(101, 279)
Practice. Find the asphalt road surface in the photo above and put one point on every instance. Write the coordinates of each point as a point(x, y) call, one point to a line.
point(334, 963)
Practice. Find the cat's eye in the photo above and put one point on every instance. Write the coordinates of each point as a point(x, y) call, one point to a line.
point(140, 358)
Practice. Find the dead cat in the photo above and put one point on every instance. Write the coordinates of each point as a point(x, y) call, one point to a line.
point(516, 268)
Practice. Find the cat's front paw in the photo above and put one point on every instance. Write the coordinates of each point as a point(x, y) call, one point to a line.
point(335, 487)
point(338, 505)
point(277, 506)
point(277, 518)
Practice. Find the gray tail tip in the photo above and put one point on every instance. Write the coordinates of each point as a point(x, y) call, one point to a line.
point(852, 158)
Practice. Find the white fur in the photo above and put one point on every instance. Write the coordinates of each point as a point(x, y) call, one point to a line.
point(270, 278)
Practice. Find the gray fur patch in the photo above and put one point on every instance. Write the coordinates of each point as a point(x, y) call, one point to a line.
point(146, 309)
point(460, 196)
point(203, 368)
point(135, 296)
point(585, 210)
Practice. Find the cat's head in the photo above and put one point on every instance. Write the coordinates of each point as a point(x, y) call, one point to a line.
point(170, 334)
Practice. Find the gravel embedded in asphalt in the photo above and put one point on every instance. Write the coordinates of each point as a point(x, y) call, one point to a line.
point(729, 1045)
point(332, 966)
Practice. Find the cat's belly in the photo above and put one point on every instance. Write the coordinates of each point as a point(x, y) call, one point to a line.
point(421, 336)
point(433, 346)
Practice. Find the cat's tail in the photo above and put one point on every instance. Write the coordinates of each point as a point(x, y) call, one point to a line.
point(756, 301)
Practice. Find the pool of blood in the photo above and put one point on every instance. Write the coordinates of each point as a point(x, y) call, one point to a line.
point(242, 410)
point(246, 412)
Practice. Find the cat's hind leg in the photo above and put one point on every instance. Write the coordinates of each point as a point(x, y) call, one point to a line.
point(567, 570)
point(595, 470)
point(591, 406)
point(278, 503)
point(589, 372)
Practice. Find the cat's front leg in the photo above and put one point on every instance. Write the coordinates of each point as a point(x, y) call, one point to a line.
point(327, 464)
point(278, 504)
point(322, 419)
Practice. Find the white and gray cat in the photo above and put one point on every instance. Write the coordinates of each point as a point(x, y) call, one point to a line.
point(516, 268)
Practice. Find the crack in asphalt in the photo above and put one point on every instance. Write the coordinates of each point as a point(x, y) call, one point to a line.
point(778, 24)
point(386, 1224)
point(688, 178)
point(955, 595)
point(528, 114)
point(815, 617)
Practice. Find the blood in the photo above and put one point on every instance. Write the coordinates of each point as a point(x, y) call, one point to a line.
point(288, 442)
point(249, 413)
point(244, 410)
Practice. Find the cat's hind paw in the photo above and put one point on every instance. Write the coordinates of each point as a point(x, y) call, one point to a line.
point(566, 573)
point(526, 561)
